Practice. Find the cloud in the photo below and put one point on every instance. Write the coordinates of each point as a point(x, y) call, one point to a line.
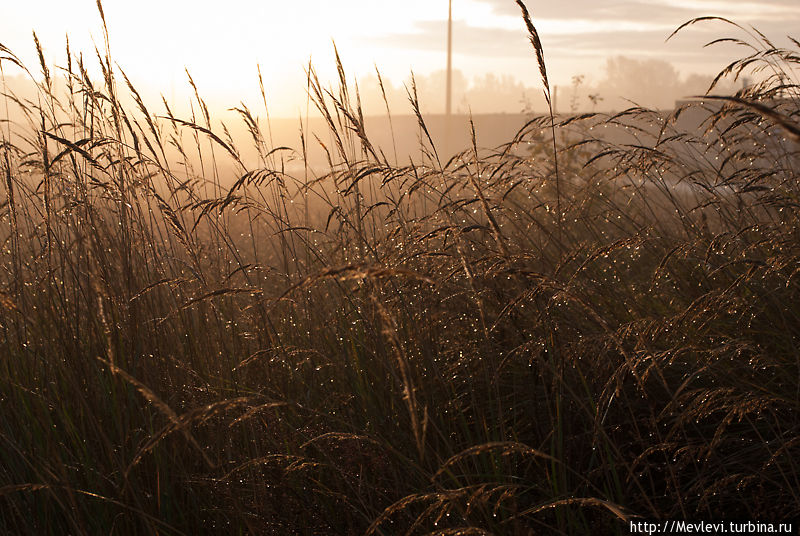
point(611, 9)
point(598, 30)
point(662, 10)
point(472, 40)
point(746, 11)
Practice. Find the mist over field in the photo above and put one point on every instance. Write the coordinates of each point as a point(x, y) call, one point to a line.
point(547, 284)
point(499, 106)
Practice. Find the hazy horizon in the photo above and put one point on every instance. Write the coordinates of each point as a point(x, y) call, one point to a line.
point(613, 47)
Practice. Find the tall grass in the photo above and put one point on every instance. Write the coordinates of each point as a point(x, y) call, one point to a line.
point(195, 342)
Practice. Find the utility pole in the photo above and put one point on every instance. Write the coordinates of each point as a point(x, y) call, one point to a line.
point(449, 97)
point(449, 89)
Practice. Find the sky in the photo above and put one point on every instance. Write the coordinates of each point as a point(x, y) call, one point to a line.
point(220, 43)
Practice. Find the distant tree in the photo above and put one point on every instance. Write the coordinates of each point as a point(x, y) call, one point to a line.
point(372, 101)
point(650, 82)
point(653, 83)
point(492, 94)
point(431, 90)
point(577, 80)
point(595, 99)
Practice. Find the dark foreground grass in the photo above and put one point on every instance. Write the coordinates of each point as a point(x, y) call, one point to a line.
point(194, 342)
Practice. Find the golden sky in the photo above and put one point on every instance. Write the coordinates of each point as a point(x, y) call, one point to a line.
point(221, 42)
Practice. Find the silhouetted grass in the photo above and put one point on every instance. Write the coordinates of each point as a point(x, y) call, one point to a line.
point(193, 344)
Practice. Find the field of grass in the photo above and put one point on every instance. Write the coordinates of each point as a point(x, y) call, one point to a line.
point(508, 342)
